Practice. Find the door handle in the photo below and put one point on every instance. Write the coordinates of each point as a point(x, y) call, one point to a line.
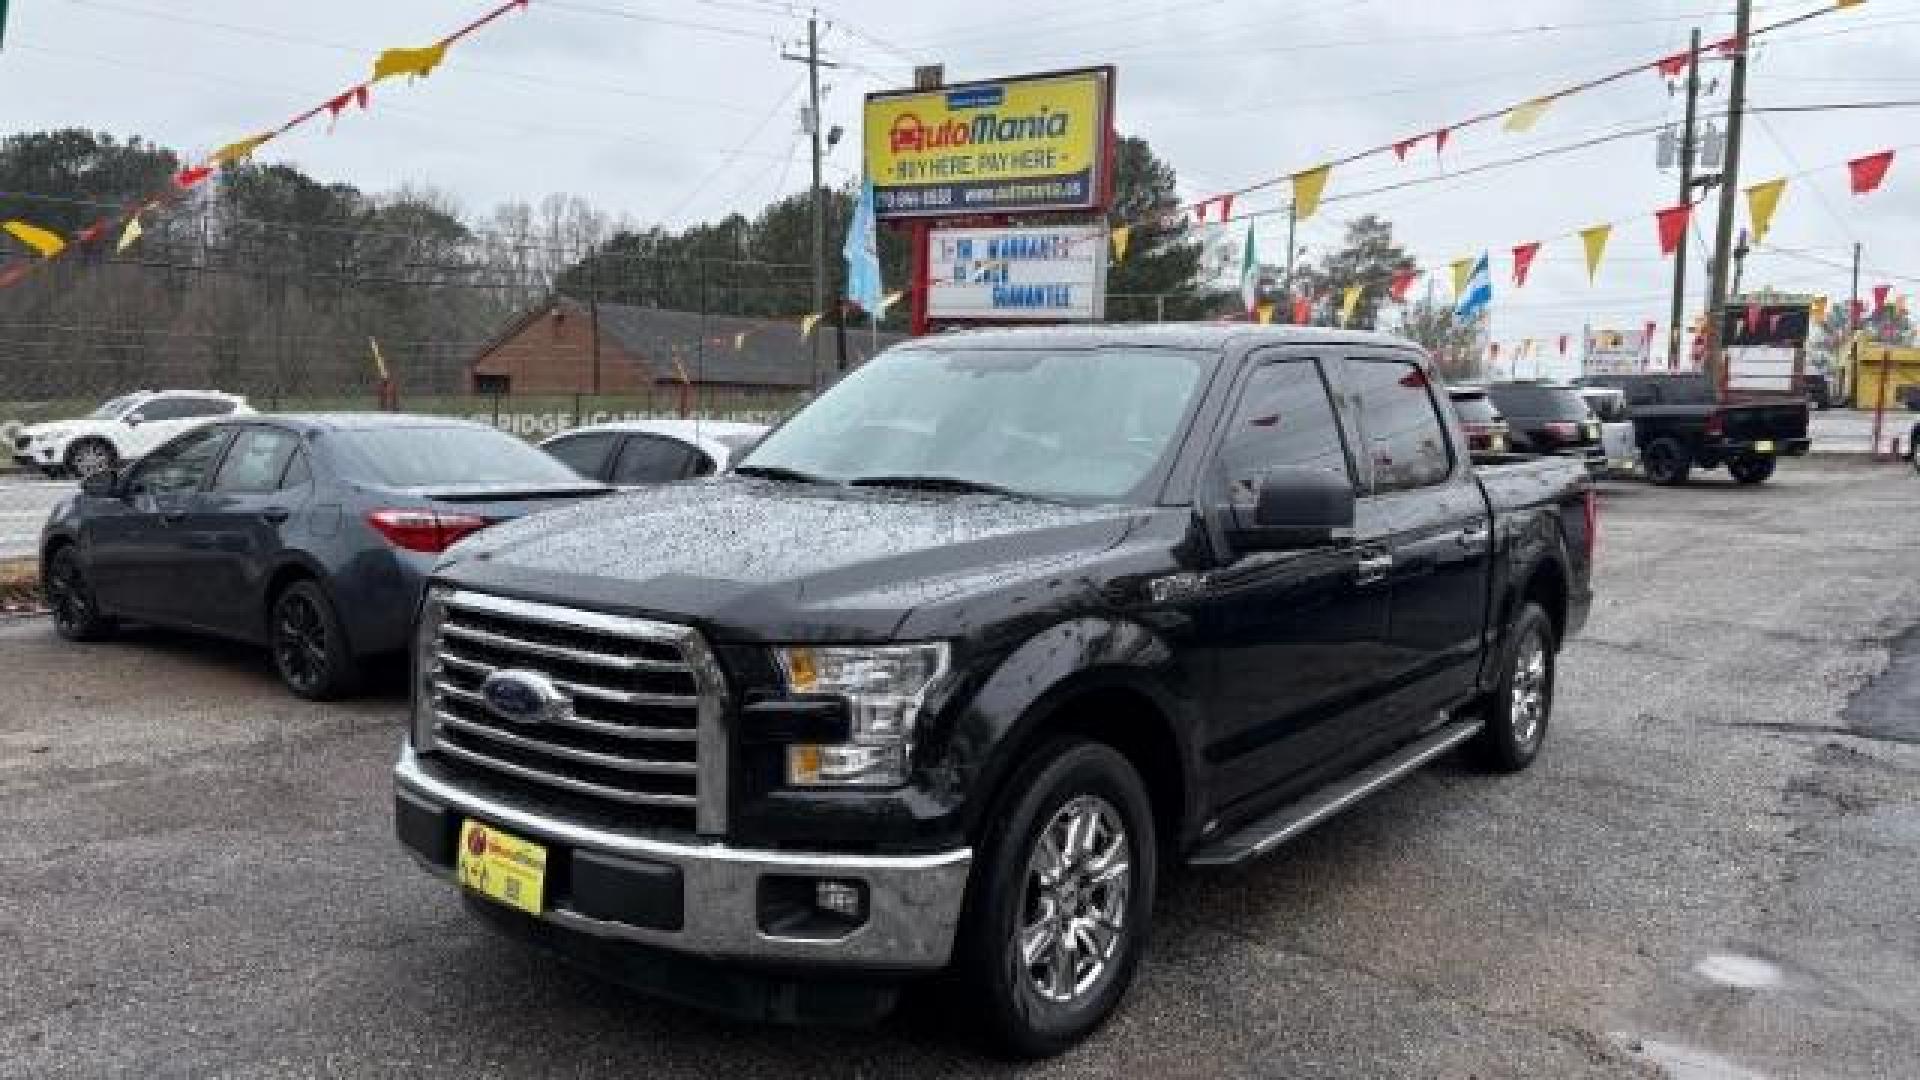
point(1373, 568)
point(1473, 535)
point(275, 514)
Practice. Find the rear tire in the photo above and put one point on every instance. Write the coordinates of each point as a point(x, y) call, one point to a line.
point(1666, 462)
point(90, 456)
point(310, 650)
point(76, 613)
point(1521, 706)
point(1752, 469)
point(1063, 901)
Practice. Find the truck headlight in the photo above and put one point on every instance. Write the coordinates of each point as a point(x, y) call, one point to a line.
point(426, 665)
point(884, 688)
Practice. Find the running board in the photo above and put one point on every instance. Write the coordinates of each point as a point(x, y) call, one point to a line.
point(1262, 835)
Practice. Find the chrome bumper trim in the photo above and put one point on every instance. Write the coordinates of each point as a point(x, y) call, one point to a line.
point(914, 901)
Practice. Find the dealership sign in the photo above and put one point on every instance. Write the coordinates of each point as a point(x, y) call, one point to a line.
point(1017, 146)
point(1018, 275)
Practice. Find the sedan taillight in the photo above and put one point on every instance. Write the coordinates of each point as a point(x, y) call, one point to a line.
point(428, 531)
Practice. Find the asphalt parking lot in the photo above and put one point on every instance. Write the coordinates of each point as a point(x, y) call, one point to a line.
point(1709, 874)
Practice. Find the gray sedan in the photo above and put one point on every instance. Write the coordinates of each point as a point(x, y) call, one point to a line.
point(308, 534)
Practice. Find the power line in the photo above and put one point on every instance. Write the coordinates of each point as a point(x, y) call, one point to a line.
point(736, 153)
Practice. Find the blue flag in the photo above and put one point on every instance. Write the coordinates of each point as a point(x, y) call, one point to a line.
point(1478, 292)
point(863, 255)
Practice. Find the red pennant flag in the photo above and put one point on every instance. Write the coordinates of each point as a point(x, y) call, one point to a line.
point(1673, 226)
point(1646, 338)
point(1523, 261)
point(189, 178)
point(1402, 281)
point(1400, 148)
point(1672, 66)
point(1880, 298)
point(1302, 311)
point(1731, 45)
point(1867, 172)
point(1493, 350)
point(1440, 140)
point(1858, 308)
point(1563, 344)
point(1754, 314)
point(1200, 212)
point(1226, 207)
point(92, 232)
point(14, 273)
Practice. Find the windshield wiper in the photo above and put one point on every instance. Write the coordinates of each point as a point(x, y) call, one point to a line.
point(932, 482)
point(778, 472)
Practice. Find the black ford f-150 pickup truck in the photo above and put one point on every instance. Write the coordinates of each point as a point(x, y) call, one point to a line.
point(969, 653)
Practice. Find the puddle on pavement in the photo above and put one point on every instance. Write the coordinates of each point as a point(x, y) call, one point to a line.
point(1687, 1063)
point(1732, 969)
point(1889, 706)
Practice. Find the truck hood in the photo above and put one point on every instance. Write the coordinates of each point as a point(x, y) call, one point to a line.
point(760, 560)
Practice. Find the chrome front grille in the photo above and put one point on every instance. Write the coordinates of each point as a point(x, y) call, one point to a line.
point(641, 738)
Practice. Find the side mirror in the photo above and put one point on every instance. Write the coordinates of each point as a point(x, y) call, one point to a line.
point(104, 484)
point(1294, 508)
point(134, 419)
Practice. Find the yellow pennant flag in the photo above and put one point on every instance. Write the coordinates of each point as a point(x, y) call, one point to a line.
point(1762, 201)
point(1521, 118)
point(1307, 188)
point(131, 236)
point(1121, 234)
point(1349, 303)
point(888, 301)
point(1596, 241)
point(416, 62)
point(240, 151)
point(1819, 310)
point(45, 241)
point(1462, 269)
point(1848, 3)
point(807, 324)
point(1265, 311)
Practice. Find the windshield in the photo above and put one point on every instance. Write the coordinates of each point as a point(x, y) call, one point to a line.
point(1082, 424)
point(1540, 402)
point(112, 409)
point(449, 457)
point(1475, 409)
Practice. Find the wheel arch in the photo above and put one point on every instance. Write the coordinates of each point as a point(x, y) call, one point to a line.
point(293, 567)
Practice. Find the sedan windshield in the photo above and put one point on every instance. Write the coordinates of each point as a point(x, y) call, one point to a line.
point(1534, 402)
point(450, 457)
point(1082, 425)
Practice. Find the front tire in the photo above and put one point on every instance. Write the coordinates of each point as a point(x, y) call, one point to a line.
point(1752, 469)
point(1667, 462)
point(1060, 915)
point(90, 456)
point(76, 613)
point(1518, 713)
point(310, 650)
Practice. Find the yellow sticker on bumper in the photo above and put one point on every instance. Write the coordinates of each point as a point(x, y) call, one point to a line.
point(502, 867)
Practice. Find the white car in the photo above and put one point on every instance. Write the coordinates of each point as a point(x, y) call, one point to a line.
point(633, 453)
point(121, 430)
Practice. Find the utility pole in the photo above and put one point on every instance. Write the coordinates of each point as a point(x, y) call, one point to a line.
point(1293, 222)
point(1686, 196)
point(1715, 355)
point(814, 64)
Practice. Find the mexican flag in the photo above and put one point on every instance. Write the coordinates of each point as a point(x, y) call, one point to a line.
point(1250, 276)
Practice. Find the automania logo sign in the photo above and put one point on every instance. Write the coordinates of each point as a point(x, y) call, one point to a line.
point(911, 136)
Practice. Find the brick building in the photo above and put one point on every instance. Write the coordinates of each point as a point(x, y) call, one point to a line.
point(549, 350)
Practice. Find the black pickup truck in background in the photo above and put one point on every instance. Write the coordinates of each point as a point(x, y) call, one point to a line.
point(1679, 427)
point(970, 653)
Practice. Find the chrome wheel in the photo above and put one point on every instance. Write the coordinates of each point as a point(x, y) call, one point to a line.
point(1079, 877)
point(1531, 685)
point(300, 642)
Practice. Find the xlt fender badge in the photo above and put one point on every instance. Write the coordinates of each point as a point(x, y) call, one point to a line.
point(1171, 587)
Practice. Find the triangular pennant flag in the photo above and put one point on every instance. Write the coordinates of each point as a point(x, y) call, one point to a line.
point(1880, 298)
point(92, 232)
point(1523, 261)
point(1401, 148)
point(1266, 312)
point(14, 273)
point(1249, 275)
point(1307, 189)
point(1200, 211)
point(1672, 223)
point(1729, 46)
point(1462, 269)
point(1754, 314)
point(1226, 207)
point(1440, 140)
point(1302, 310)
point(1120, 235)
point(1762, 201)
point(1402, 281)
point(1493, 350)
point(1818, 311)
point(893, 298)
point(1563, 344)
point(1522, 117)
point(1595, 240)
point(418, 63)
point(1672, 66)
point(807, 323)
point(1350, 303)
point(186, 179)
point(241, 150)
point(1867, 172)
point(682, 369)
point(130, 235)
point(338, 104)
point(45, 241)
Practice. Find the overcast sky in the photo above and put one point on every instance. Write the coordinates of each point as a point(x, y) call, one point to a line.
point(677, 110)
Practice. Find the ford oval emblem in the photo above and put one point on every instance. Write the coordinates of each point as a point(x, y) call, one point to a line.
point(524, 697)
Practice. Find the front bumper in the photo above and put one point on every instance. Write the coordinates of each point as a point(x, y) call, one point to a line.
point(719, 894)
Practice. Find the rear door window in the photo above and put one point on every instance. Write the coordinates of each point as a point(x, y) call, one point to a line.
point(1404, 438)
point(585, 454)
point(257, 461)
